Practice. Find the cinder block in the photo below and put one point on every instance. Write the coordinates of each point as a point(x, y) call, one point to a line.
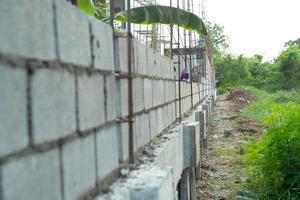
point(151, 61)
point(138, 94)
point(26, 29)
point(107, 151)
point(73, 34)
point(53, 104)
point(91, 101)
point(32, 177)
point(148, 93)
point(111, 93)
point(141, 60)
point(123, 145)
point(13, 113)
point(153, 123)
point(122, 97)
point(191, 144)
point(160, 120)
point(142, 130)
point(103, 46)
point(79, 167)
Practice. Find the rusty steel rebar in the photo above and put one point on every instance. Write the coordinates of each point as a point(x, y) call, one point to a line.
point(130, 94)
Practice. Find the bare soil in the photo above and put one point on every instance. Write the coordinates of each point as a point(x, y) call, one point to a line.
point(223, 167)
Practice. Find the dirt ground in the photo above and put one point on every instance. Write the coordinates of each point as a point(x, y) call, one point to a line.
point(223, 165)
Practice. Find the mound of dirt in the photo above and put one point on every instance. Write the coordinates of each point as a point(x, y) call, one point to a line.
point(240, 96)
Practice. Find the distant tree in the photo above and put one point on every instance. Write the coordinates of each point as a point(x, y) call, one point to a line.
point(217, 36)
point(293, 43)
point(289, 64)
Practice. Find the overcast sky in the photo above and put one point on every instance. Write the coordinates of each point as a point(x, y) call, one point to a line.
point(257, 26)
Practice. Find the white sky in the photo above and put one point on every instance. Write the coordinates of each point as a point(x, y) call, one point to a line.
point(257, 26)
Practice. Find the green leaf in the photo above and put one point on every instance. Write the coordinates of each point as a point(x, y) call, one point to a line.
point(87, 6)
point(155, 14)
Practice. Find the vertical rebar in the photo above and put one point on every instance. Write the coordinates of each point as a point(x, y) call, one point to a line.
point(179, 80)
point(111, 12)
point(130, 97)
point(190, 48)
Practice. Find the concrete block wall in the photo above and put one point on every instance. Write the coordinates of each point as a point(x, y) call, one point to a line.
point(62, 101)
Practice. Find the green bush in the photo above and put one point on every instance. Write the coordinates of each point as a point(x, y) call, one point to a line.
point(273, 162)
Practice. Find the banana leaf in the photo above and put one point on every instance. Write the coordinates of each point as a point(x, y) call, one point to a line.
point(87, 6)
point(156, 14)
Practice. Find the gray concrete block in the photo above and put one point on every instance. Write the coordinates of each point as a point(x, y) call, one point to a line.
point(160, 120)
point(191, 144)
point(122, 97)
point(138, 94)
point(141, 131)
point(140, 59)
point(73, 34)
point(153, 123)
point(153, 183)
point(111, 93)
point(170, 154)
point(148, 93)
point(151, 61)
point(158, 91)
point(103, 47)
point(53, 99)
point(107, 151)
point(26, 29)
point(123, 141)
point(13, 110)
point(91, 101)
point(33, 177)
point(79, 167)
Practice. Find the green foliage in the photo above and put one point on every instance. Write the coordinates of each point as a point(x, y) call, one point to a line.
point(217, 36)
point(156, 14)
point(289, 65)
point(273, 162)
point(87, 6)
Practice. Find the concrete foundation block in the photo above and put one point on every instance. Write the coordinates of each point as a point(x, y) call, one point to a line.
point(13, 110)
point(73, 34)
point(102, 44)
point(111, 93)
point(107, 151)
point(79, 167)
point(91, 101)
point(27, 30)
point(198, 171)
point(191, 144)
point(200, 117)
point(192, 183)
point(170, 154)
point(184, 186)
point(138, 94)
point(33, 177)
point(154, 183)
point(206, 109)
point(148, 93)
point(53, 98)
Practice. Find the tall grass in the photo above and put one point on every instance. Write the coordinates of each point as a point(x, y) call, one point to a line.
point(273, 161)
